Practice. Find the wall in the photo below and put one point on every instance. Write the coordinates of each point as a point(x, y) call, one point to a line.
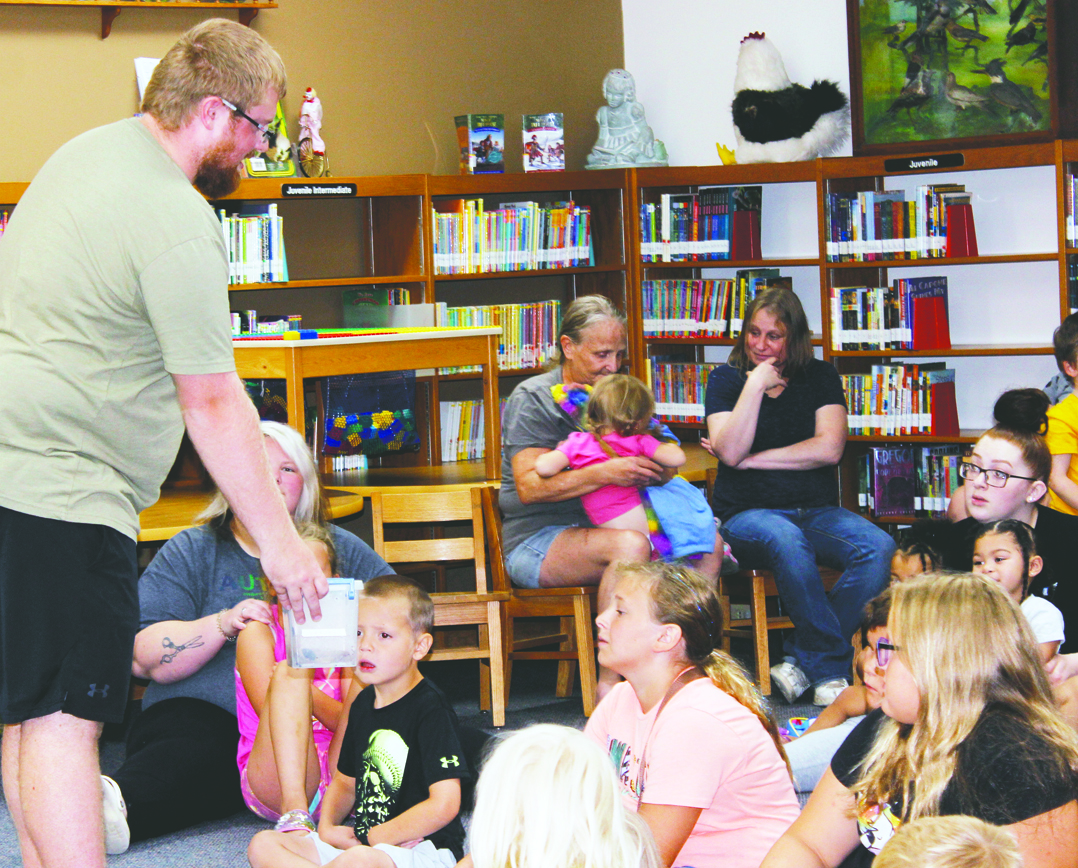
point(391, 75)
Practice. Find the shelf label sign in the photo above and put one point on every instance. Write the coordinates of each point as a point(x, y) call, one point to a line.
point(932, 161)
point(317, 190)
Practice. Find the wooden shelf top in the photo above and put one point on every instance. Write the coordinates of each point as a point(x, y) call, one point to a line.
point(777, 262)
point(975, 159)
point(710, 341)
point(720, 175)
point(965, 436)
point(533, 272)
point(329, 281)
point(111, 8)
point(993, 259)
point(256, 189)
point(955, 351)
point(538, 182)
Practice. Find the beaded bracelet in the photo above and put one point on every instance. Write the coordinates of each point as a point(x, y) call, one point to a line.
point(222, 629)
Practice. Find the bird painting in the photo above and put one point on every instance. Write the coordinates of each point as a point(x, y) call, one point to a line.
point(967, 37)
point(962, 97)
point(1008, 94)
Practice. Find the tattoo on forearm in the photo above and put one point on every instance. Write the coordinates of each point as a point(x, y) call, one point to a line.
point(175, 649)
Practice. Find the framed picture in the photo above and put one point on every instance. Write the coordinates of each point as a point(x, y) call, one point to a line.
point(958, 73)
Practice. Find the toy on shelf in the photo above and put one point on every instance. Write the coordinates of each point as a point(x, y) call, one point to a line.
point(625, 139)
point(312, 150)
point(776, 121)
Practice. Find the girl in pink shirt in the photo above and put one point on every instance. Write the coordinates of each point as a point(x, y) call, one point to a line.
point(290, 720)
point(695, 750)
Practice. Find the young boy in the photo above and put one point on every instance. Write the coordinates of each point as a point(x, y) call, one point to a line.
point(1062, 434)
point(401, 761)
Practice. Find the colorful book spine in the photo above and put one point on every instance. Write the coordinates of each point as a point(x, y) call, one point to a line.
point(255, 247)
point(521, 236)
point(463, 435)
point(529, 332)
point(679, 389)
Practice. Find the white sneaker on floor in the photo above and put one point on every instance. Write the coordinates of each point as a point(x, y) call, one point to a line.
point(117, 833)
point(828, 692)
point(790, 679)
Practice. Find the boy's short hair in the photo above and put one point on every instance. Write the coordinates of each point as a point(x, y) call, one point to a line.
point(1065, 341)
point(420, 605)
point(876, 612)
point(311, 532)
point(950, 842)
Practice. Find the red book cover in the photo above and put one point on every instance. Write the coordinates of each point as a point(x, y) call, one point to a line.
point(961, 233)
point(745, 243)
point(944, 408)
point(928, 309)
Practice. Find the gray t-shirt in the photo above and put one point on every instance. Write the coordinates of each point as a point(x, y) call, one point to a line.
point(195, 574)
point(113, 275)
point(531, 419)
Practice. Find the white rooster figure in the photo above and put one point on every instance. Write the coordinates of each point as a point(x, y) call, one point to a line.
point(776, 121)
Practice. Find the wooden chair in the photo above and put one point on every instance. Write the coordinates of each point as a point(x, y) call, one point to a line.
point(575, 610)
point(485, 607)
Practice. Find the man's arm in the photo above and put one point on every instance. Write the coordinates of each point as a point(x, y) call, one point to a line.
point(631, 472)
point(223, 426)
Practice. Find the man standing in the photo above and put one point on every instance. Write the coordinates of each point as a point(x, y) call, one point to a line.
point(114, 335)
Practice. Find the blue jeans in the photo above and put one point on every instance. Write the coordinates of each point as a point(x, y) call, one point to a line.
point(790, 542)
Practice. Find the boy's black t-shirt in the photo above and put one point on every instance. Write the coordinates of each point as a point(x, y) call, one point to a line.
point(395, 754)
point(1005, 773)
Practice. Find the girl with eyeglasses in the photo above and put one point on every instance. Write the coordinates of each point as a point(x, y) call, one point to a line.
point(967, 725)
point(696, 753)
point(1006, 477)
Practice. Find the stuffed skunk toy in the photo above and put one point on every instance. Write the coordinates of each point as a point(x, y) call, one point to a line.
point(776, 121)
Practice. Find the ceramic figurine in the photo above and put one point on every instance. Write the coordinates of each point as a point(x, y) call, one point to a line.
point(625, 139)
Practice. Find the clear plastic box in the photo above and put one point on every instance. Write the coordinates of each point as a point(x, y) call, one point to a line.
point(330, 641)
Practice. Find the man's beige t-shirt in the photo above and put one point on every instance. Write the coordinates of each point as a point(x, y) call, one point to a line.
point(113, 275)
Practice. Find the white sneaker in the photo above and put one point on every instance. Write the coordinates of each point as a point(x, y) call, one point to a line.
point(117, 833)
point(790, 679)
point(828, 692)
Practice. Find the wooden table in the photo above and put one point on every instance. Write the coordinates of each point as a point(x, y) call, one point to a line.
point(292, 361)
point(176, 510)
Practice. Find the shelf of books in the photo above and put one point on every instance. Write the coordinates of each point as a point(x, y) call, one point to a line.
point(514, 251)
point(707, 238)
point(934, 264)
point(1067, 161)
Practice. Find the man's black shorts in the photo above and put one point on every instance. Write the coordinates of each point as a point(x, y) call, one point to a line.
point(68, 617)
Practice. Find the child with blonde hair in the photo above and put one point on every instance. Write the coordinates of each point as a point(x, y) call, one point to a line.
point(696, 752)
point(548, 796)
point(950, 842)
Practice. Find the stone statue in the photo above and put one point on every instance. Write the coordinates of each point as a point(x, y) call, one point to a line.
point(625, 139)
point(312, 150)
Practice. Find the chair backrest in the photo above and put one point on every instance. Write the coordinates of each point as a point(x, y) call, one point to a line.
point(429, 508)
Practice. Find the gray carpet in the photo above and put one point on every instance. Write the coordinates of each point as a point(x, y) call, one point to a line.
point(224, 843)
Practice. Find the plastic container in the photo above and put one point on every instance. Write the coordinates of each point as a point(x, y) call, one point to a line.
point(330, 641)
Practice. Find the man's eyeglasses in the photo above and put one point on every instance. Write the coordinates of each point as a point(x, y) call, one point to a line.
point(995, 478)
point(262, 128)
point(884, 652)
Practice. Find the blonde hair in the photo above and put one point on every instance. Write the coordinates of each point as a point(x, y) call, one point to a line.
point(619, 403)
point(683, 597)
point(967, 646)
point(215, 58)
point(392, 587)
point(950, 842)
point(310, 507)
point(549, 795)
